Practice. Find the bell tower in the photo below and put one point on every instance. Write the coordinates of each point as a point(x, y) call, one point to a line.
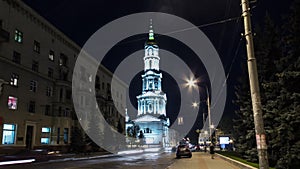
point(153, 99)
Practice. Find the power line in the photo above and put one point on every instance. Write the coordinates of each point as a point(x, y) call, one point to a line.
point(187, 29)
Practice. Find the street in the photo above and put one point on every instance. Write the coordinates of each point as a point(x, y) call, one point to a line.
point(136, 161)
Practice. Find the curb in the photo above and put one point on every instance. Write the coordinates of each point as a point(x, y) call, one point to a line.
point(81, 158)
point(97, 156)
point(235, 162)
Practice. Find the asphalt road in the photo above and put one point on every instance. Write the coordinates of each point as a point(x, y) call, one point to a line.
point(164, 160)
point(144, 161)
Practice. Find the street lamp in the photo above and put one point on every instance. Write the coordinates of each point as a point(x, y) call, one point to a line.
point(193, 83)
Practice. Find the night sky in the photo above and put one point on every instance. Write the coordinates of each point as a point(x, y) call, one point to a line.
point(79, 19)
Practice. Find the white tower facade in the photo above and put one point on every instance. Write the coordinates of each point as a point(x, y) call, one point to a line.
point(153, 100)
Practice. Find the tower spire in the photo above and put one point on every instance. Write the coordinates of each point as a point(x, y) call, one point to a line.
point(151, 32)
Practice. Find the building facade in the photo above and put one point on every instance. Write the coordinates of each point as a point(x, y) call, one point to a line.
point(151, 116)
point(36, 63)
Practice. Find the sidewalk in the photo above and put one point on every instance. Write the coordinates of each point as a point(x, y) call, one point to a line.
point(202, 160)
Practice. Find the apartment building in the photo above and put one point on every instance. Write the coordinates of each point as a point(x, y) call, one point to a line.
point(36, 66)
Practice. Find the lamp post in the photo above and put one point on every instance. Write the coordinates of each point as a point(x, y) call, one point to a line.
point(192, 83)
point(209, 115)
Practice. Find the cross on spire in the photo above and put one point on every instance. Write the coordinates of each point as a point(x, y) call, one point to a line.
point(151, 32)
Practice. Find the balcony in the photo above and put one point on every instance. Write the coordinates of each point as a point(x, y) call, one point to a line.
point(4, 35)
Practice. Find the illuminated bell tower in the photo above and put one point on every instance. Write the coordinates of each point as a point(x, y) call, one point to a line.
point(153, 99)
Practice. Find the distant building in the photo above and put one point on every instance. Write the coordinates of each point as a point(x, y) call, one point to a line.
point(36, 63)
point(151, 117)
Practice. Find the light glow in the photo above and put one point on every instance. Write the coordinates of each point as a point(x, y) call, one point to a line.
point(195, 104)
point(17, 162)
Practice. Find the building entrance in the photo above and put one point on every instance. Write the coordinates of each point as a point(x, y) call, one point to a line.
point(29, 137)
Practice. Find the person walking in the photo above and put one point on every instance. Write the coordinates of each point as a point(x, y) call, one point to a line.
point(141, 138)
point(212, 150)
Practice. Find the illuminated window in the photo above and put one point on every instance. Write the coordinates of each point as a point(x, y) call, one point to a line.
point(14, 79)
point(9, 133)
point(180, 120)
point(51, 55)
point(147, 130)
point(66, 135)
point(18, 36)
point(36, 46)
point(45, 139)
point(12, 103)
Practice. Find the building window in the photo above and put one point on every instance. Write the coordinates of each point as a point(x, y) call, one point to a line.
point(51, 55)
point(33, 85)
point(66, 135)
point(14, 79)
point(103, 86)
point(47, 110)
point(59, 111)
point(45, 139)
point(9, 133)
point(16, 57)
point(49, 91)
point(35, 66)
point(61, 93)
point(97, 82)
point(68, 94)
point(180, 120)
point(36, 46)
point(50, 72)
point(12, 103)
point(18, 36)
point(63, 60)
point(147, 130)
point(58, 136)
point(31, 107)
point(66, 112)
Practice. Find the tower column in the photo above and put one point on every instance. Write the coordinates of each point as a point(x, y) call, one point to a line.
point(144, 106)
point(154, 107)
point(164, 108)
point(139, 107)
point(157, 106)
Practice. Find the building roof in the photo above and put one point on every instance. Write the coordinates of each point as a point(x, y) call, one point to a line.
point(146, 118)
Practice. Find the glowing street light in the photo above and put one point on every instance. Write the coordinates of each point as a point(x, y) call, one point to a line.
point(195, 104)
point(191, 83)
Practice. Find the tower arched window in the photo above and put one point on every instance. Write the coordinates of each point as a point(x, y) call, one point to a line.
point(150, 52)
point(155, 83)
point(150, 63)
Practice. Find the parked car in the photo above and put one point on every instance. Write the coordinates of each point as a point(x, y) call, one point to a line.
point(183, 150)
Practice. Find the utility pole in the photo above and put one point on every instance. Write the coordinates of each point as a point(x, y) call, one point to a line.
point(209, 116)
point(254, 88)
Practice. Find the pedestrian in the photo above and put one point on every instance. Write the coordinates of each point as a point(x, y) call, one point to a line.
point(212, 150)
point(141, 138)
